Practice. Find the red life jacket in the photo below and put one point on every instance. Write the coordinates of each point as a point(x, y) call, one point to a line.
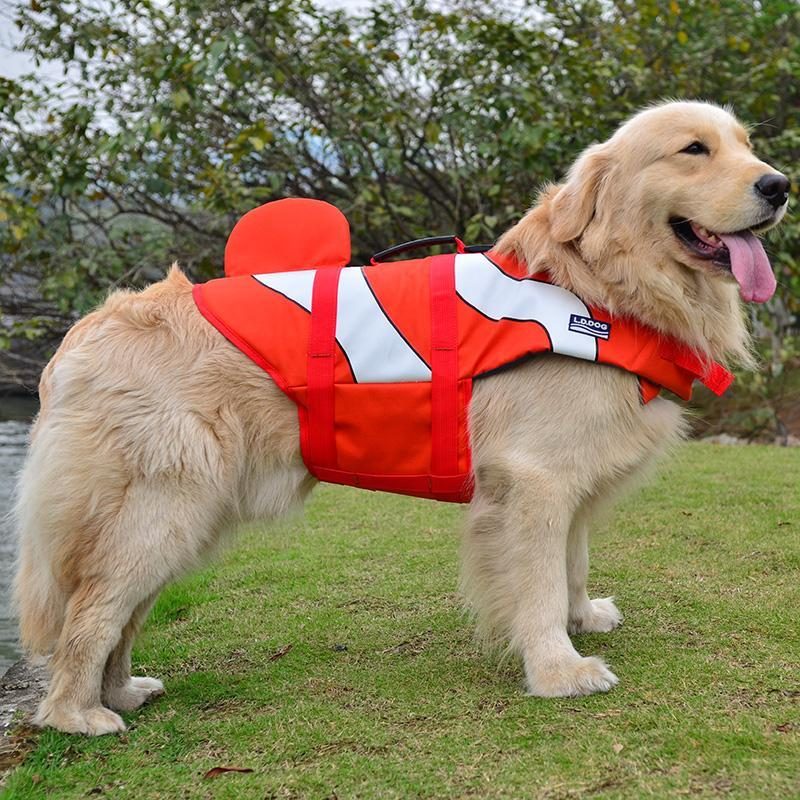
point(380, 360)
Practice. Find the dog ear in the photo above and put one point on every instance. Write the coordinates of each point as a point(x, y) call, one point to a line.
point(574, 205)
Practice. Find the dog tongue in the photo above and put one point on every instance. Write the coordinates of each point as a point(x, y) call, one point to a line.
point(750, 267)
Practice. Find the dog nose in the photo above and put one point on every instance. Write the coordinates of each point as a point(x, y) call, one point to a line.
point(774, 188)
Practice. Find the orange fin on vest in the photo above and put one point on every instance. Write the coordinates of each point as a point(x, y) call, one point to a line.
point(295, 233)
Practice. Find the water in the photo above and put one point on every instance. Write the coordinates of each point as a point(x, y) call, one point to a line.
point(15, 417)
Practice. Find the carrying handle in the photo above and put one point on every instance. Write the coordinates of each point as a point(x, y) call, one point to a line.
point(428, 241)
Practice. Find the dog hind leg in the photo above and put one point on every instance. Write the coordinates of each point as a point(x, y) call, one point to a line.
point(121, 691)
point(160, 532)
point(95, 615)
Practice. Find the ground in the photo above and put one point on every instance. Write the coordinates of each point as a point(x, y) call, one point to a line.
point(330, 658)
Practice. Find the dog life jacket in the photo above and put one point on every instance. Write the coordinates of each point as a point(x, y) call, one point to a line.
point(381, 359)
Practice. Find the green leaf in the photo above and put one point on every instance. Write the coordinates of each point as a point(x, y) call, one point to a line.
point(181, 98)
point(432, 131)
point(258, 143)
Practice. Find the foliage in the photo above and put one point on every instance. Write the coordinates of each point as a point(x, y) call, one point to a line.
point(414, 117)
point(383, 693)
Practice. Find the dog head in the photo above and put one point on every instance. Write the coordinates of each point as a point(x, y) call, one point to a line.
point(660, 223)
point(678, 188)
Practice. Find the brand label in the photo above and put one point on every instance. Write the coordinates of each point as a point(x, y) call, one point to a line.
point(589, 326)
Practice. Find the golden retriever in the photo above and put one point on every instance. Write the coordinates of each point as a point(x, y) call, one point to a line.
point(156, 435)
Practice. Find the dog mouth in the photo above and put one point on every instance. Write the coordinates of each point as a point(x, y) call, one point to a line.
point(740, 253)
point(701, 242)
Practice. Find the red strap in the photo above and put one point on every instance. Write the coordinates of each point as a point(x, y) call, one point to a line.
point(648, 390)
point(718, 379)
point(710, 373)
point(321, 363)
point(444, 367)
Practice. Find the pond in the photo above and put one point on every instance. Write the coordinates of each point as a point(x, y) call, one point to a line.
point(15, 416)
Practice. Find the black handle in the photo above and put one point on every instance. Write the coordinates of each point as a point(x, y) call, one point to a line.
point(429, 241)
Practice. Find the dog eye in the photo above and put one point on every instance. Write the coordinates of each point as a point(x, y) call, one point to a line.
point(696, 149)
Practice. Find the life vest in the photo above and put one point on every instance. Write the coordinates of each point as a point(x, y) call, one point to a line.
point(381, 359)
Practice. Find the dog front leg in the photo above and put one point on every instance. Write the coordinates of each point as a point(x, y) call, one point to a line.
point(515, 576)
point(585, 616)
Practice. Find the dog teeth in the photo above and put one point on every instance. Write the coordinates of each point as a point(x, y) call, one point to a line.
point(710, 238)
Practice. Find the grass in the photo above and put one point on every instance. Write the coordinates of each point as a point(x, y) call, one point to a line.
point(329, 655)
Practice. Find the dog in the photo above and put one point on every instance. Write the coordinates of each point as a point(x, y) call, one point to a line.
point(156, 436)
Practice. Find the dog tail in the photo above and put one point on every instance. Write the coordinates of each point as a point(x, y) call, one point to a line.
point(39, 601)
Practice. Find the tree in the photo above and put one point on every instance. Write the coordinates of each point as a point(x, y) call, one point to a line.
point(414, 118)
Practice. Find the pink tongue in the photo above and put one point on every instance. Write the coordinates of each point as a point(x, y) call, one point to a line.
point(750, 267)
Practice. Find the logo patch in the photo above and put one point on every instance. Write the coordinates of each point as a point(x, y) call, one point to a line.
point(589, 326)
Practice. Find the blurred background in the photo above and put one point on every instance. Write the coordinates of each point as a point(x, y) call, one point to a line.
point(134, 133)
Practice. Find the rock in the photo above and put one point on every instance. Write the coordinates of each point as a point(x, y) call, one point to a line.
point(21, 689)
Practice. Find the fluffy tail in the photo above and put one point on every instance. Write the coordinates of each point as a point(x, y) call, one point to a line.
point(39, 601)
point(40, 606)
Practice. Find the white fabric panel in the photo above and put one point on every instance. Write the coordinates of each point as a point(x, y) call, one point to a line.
point(498, 296)
point(376, 351)
point(296, 286)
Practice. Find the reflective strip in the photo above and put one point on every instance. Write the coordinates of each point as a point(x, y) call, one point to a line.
point(376, 351)
point(498, 296)
point(296, 286)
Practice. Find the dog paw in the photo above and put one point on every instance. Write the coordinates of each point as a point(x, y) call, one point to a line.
point(572, 677)
point(95, 721)
point(599, 616)
point(134, 694)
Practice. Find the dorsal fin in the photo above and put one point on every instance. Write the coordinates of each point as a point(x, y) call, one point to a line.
point(284, 235)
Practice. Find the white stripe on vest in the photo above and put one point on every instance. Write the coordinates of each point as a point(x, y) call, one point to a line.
point(377, 353)
point(375, 349)
point(498, 296)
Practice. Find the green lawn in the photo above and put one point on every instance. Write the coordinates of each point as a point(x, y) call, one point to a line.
point(330, 656)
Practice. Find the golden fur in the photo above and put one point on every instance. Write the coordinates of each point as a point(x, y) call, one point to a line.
point(156, 435)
